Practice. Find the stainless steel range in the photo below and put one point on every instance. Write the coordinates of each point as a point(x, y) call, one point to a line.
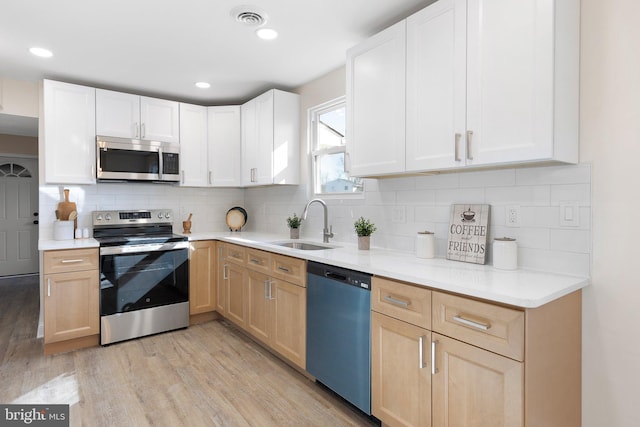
point(144, 274)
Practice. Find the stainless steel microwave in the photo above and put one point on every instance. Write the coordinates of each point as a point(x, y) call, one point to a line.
point(122, 159)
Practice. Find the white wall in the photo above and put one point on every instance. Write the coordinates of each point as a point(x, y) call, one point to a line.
point(610, 140)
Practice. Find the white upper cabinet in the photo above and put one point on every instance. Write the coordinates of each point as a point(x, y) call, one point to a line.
point(69, 133)
point(488, 83)
point(193, 145)
point(224, 146)
point(270, 139)
point(522, 81)
point(132, 116)
point(436, 86)
point(376, 103)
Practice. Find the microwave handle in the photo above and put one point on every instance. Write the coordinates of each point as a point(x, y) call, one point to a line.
point(160, 165)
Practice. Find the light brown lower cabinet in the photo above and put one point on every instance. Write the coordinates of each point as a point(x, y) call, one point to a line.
point(270, 309)
point(475, 387)
point(480, 363)
point(71, 294)
point(202, 276)
point(400, 372)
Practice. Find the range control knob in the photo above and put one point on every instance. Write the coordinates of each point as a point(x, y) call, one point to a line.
point(107, 217)
point(159, 215)
point(99, 217)
point(167, 215)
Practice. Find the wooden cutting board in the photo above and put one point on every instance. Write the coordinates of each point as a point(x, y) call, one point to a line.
point(66, 207)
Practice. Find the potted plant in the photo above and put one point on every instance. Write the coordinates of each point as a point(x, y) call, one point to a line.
point(364, 230)
point(293, 222)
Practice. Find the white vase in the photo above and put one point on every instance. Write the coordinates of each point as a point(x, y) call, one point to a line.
point(294, 233)
point(364, 242)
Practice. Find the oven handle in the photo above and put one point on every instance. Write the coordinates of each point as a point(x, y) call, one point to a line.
point(148, 247)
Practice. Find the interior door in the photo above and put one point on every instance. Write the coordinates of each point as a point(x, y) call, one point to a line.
point(18, 216)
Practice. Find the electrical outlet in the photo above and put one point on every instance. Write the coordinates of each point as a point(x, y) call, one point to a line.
point(513, 216)
point(398, 214)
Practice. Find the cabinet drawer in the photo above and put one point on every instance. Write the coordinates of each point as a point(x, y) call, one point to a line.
point(494, 328)
point(233, 253)
point(402, 301)
point(70, 260)
point(258, 260)
point(293, 270)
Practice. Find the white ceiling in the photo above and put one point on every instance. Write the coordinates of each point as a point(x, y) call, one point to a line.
point(161, 48)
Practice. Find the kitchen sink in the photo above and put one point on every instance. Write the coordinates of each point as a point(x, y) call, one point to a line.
point(304, 246)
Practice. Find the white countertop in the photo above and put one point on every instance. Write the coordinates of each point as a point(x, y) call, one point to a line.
point(54, 245)
point(521, 288)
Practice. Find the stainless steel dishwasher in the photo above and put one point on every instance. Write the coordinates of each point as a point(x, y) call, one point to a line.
point(339, 330)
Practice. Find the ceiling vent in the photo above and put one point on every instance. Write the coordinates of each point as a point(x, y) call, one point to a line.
point(249, 15)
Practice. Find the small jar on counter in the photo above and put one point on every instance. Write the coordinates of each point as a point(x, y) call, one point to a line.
point(505, 253)
point(425, 244)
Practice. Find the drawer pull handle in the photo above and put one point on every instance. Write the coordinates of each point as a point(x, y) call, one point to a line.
point(421, 343)
point(477, 325)
point(49, 287)
point(71, 261)
point(434, 370)
point(224, 272)
point(256, 261)
point(285, 269)
point(396, 301)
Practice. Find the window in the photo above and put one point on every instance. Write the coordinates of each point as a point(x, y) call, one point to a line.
point(327, 128)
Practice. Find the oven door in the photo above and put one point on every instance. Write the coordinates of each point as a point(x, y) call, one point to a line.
point(136, 277)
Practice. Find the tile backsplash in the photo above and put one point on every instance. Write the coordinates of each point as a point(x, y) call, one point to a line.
point(400, 207)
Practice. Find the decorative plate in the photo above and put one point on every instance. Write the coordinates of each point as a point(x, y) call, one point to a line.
point(236, 218)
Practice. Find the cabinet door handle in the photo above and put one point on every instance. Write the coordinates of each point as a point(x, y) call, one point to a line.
point(396, 301)
point(209, 177)
point(285, 269)
point(473, 324)
point(270, 290)
point(266, 290)
point(182, 176)
point(49, 287)
point(255, 261)
point(347, 162)
point(137, 129)
point(469, 137)
point(456, 155)
point(434, 370)
point(224, 272)
point(144, 130)
point(421, 350)
point(71, 261)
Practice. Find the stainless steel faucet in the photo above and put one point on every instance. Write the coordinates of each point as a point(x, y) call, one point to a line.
point(327, 232)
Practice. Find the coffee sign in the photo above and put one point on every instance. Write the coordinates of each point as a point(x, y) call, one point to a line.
point(468, 231)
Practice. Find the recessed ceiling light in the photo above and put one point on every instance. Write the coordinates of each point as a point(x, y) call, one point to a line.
point(41, 52)
point(267, 33)
point(203, 85)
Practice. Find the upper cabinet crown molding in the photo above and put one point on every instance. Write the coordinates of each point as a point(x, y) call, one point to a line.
point(125, 115)
point(488, 83)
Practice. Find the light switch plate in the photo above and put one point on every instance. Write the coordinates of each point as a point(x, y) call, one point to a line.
point(569, 214)
point(398, 214)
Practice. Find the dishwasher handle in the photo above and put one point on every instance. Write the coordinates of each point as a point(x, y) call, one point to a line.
point(335, 276)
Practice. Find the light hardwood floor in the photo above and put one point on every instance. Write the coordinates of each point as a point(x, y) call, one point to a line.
point(207, 375)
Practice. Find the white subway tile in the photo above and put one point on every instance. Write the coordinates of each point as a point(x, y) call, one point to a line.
point(447, 180)
point(571, 240)
point(569, 174)
point(460, 196)
point(580, 193)
point(494, 178)
point(525, 195)
point(420, 197)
